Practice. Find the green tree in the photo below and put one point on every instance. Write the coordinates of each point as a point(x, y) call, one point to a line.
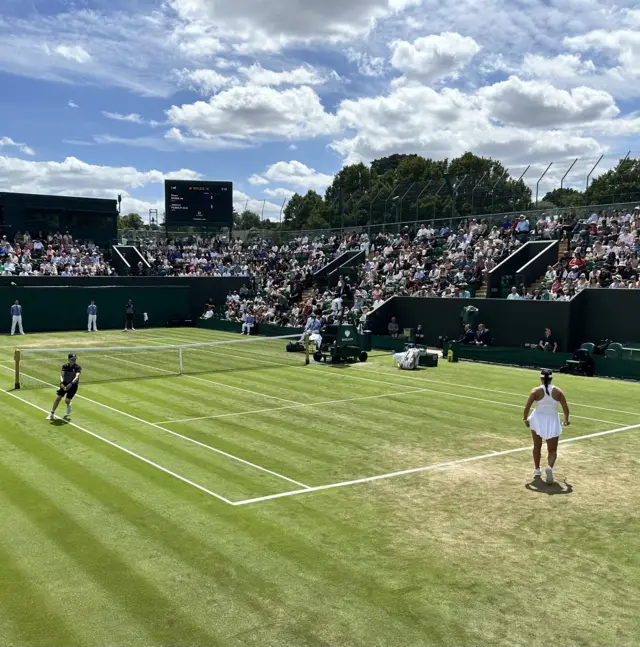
point(300, 209)
point(130, 221)
point(246, 220)
point(565, 198)
point(621, 184)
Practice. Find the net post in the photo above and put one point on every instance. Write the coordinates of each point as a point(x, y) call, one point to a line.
point(306, 349)
point(16, 358)
point(179, 361)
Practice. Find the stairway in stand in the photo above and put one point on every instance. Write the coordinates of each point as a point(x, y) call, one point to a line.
point(563, 246)
point(481, 292)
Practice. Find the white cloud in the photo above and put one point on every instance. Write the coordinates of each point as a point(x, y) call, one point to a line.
point(250, 112)
point(538, 104)
point(72, 104)
point(258, 179)
point(292, 147)
point(7, 142)
point(367, 64)
point(205, 81)
point(295, 174)
point(279, 193)
point(304, 75)
point(418, 119)
point(75, 53)
point(75, 177)
point(257, 25)
point(133, 117)
point(242, 201)
point(563, 66)
point(430, 58)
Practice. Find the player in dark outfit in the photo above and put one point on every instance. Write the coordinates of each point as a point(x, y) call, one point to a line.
point(69, 380)
point(128, 316)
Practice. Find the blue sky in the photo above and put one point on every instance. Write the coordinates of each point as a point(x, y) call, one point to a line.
point(101, 98)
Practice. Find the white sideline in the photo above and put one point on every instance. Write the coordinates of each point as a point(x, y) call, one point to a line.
point(127, 451)
point(466, 397)
point(428, 468)
point(482, 388)
point(174, 433)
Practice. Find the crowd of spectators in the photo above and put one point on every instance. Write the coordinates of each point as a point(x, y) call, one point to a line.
point(52, 254)
point(603, 253)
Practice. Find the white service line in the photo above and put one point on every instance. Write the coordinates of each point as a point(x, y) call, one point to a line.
point(481, 388)
point(428, 468)
point(187, 438)
point(126, 451)
point(293, 406)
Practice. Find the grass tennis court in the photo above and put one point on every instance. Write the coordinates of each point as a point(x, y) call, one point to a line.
point(269, 503)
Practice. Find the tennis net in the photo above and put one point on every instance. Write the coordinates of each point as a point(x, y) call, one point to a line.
point(40, 367)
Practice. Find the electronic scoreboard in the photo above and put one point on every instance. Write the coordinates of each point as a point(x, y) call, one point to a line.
point(205, 204)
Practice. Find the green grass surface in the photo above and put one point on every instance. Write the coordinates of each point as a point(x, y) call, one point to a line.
point(99, 547)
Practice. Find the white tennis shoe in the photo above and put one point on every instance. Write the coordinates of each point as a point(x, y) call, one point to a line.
point(549, 474)
point(537, 473)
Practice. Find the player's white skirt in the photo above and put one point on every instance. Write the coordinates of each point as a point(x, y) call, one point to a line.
point(545, 424)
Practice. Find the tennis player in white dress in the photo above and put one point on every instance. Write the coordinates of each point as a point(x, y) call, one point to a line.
point(544, 422)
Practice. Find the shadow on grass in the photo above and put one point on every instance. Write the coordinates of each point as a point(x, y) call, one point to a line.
point(60, 422)
point(539, 486)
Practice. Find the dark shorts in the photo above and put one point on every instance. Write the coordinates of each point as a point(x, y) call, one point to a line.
point(129, 316)
point(68, 394)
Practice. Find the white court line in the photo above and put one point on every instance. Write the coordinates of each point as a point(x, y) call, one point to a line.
point(466, 397)
point(293, 406)
point(481, 388)
point(428, 468)
point(127, 451)
point(174, 433)
point(355, 377)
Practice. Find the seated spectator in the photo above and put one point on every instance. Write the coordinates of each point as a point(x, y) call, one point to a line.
point(514, 295)
point(419, 336)
point(208, 313)
point(468, 336)
point(548, 343)
point(483, 337)
point(248, 322)
point(393, 328)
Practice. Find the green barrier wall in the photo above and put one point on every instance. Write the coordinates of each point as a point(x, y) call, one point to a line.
point(42, 299)
point(65, 308)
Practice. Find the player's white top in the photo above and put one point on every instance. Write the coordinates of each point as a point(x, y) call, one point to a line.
point(545, 419)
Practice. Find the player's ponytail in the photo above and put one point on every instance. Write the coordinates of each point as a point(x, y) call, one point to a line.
point(546, 376)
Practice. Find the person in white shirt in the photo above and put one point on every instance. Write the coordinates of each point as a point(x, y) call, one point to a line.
point(514, 296)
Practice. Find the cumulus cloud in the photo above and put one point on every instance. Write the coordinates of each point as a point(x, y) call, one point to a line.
point(242, 201)
point(295, 174)
point(538, 104)
point(430, 58)
point(205, 81)
point(418, 119)
point(259, 25)
point(279, 193)
point(303, 75)
point(75, 177)
point(249, 112)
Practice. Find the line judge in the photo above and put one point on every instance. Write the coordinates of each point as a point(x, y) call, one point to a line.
point(92, 313)
point(16, 318)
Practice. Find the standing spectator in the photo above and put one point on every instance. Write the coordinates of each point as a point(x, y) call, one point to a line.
point(16, 318)
point(128, 316)
point(394, 329)
point(92, 312)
